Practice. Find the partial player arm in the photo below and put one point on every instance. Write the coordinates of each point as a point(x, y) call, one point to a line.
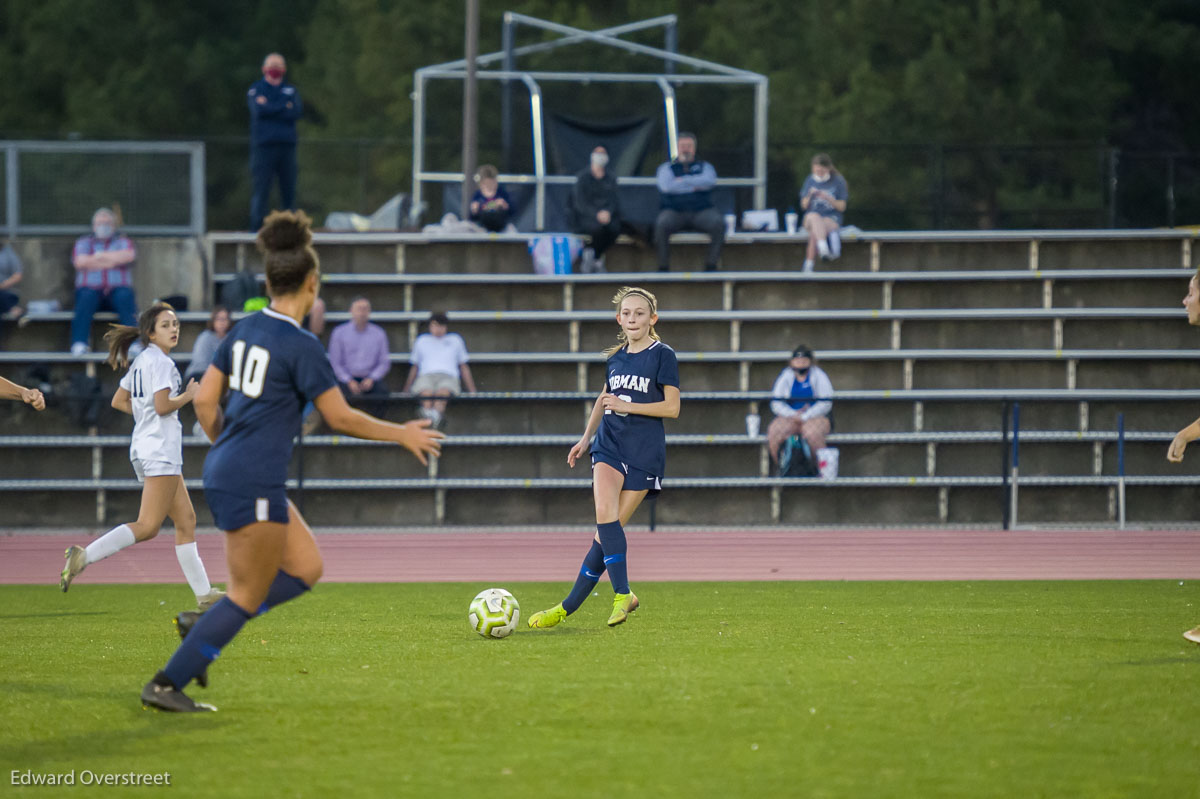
point(593, 424)
point(30, 396)
point(1181, 440)
point(122, 401)
point(667, 408)
point(165, 404)
point(415, 436)
point(207, 402)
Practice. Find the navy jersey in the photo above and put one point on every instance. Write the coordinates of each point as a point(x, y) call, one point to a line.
point(274, 368)
point(633, 439)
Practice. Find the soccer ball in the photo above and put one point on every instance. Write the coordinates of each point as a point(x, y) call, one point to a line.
point(494, 613)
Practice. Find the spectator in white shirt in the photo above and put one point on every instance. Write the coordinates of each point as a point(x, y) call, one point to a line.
point(439, 368)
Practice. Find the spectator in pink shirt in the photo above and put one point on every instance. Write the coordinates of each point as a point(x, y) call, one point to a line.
point(358, 351)
point(103, 264)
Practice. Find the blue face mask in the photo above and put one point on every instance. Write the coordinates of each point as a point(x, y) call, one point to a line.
point(103, 231)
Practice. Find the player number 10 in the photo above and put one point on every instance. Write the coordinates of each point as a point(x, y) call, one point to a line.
point(249, 381)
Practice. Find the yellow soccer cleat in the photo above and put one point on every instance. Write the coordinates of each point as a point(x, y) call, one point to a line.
point(623, 605)
point(544, 619)
point(76, 563)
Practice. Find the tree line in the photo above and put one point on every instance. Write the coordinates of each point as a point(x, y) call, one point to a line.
point(978, 108)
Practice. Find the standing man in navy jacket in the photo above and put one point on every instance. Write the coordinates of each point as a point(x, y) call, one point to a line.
point(274, 108)
point(685, 191)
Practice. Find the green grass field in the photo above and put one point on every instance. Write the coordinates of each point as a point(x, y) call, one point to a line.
point(712, 689)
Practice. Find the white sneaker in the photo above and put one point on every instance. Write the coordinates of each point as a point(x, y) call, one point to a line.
point(823, 249)
point(79, 348)
point(1193, 635)
point(808, 265)
point(600, 268)
point(587, 261)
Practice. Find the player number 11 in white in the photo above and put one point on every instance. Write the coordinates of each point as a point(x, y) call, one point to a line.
point(253, 377)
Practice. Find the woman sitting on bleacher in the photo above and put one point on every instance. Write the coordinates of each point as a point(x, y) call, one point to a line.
point(823, 199)
point(801, 406)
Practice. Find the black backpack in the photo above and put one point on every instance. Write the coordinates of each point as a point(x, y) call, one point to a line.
point(796, 459)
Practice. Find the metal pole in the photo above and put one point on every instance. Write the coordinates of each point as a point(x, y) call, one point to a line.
point(508, 34)
point(1016, 461)
point(671, 45)
point(760, 144)
point(418, 166)
point(1121, 471)
point(300, 468)
point(198, 190)
point(12, 183)
point(1005, 487)
point(671, 117)
point(539, 152)
point(470, 104)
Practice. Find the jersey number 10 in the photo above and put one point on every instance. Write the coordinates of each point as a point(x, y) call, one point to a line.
point(251, 379)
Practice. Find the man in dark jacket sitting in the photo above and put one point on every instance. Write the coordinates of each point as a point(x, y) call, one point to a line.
point(597, 211)
point(685, 190)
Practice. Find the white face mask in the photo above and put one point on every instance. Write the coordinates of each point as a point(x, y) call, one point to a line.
point(600, 160)
point(103, 231)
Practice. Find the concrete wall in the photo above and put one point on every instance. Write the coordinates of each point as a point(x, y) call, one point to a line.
point(165, 266)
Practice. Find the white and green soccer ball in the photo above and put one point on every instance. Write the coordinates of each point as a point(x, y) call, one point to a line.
point(494, 613)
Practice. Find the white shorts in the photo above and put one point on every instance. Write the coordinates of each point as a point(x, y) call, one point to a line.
point(437, 381)
point(144, 469)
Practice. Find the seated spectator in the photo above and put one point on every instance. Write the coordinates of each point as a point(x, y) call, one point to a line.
point(103, 262)
point(823, 198)
point(491, 207)
point(685, 192)
point(358, 351)
point(206, 343)
point(596, 210)
point(800, 407)
point(439, 360)
point(10, 275)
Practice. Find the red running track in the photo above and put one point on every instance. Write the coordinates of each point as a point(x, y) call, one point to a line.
point(763, 554)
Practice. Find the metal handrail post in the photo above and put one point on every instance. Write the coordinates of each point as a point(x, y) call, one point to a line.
point(539, 150)
point(672, 117)
point(1016, 461)
point(1121, 471)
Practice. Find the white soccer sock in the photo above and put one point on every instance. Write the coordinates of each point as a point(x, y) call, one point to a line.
point(193, 568)
point(110, 543)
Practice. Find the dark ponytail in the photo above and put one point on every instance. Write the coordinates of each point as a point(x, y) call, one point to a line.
point(120, 337)
point(285, 241)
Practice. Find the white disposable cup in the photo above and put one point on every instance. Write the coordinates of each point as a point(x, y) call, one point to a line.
point(791, 222)
point(730, 224)
point(752, 423)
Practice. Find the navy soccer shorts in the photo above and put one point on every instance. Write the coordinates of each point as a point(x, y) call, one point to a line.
point(635, 478)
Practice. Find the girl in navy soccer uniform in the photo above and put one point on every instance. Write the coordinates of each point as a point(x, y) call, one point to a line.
point(271, 367)
point(629, 455)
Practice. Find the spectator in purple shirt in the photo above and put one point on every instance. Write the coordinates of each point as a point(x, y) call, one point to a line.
point(103, 262)
point(358, 351)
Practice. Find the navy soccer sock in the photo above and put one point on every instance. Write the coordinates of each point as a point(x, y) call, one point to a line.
point(612, 539)
point(204, 642)
point(284, 588)
point(589, 574)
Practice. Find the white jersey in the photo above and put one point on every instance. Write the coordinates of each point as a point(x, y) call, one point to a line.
point(155, 438)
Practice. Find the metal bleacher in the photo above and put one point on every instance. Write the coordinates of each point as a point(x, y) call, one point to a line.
point(927, 337)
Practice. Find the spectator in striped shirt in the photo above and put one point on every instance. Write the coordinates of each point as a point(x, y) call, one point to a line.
point(103, 264)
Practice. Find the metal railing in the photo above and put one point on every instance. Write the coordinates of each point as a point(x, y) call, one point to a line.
point(717, 74)
point(159, 186)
